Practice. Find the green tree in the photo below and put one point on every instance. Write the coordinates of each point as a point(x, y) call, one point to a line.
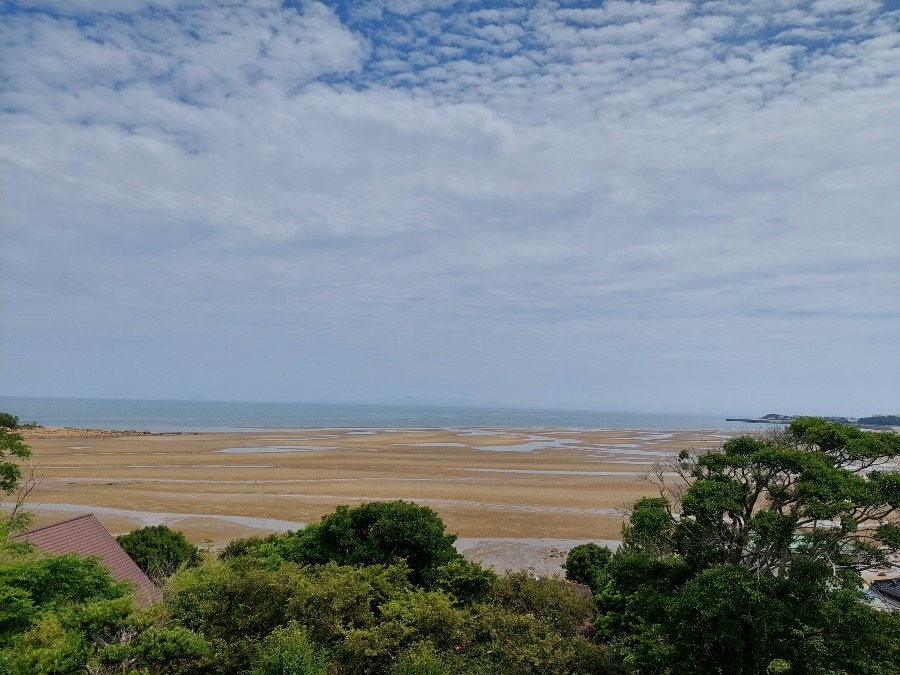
point(236, 603)
point(249, 546)
point(550, 600)
point(13, 452)
point(33, 584)
point(8, 421)
point(14, 455)
point(465, 581)
point(102, 636)
point(414, 617)
point(584, 561)
point(158, 550)
point(65, 614)
point(288, 651)
point(821, 491)
point(376, 533)
point(259, 610)
point(751, 562)
point(423, 659)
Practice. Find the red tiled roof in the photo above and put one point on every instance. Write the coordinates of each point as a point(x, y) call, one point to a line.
point(86, 536)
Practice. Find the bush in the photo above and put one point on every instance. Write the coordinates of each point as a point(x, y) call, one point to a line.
point(247, 546)
point(584, 561)
point(288, 651)
point(32, 586)
point(8, 421)
point(275, 616)
point(13, 452)
point(552, 601)
point(465, 581)
point(159, 551)
point(376, 533)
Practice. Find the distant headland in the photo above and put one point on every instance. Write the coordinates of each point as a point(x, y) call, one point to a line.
point(871, 422)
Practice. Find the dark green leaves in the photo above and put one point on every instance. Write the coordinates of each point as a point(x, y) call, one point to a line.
point(158, 550)
point(12, 450)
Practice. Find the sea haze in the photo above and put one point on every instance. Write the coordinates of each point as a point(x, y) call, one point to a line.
point(161, 415)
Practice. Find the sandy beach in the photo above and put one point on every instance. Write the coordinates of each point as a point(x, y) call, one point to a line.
point(516, 498)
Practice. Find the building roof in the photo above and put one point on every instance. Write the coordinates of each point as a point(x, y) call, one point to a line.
point(888, 589)
point(86, 536)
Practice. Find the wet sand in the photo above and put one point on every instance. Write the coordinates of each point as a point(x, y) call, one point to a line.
point(517, 499)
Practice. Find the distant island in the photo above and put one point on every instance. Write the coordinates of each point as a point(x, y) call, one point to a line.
point(871, 422)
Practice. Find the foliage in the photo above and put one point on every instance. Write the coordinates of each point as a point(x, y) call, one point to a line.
point(102, 636)
point(248, 546)
point(235, 604)
point(882, 420)
point(465, 581)
point(375, 533)
point(10, 421)
point(584, 561)
point(819, 491)
point(422, 659)
point(288, 651)
point(32, 585)
point(65, 614)
point(232, 607)
point(12, 451)
point(751, 563)
point(551, 601)
point(379, 533)
point(158, 550)
point(14, 455)
point(372, 619)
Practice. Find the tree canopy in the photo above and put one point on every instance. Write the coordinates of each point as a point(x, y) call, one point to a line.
point(374, 533)
point(822, 491)
point(12, 452)
point(747, 558)
point(158, 550)
point(8, 421)
point(14, 455)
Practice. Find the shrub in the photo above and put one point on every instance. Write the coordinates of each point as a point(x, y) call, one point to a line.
point(158, 550)
point(288, 651)
point(552, 601)
point(584, 561)
point(376, 533)
point(466, 581)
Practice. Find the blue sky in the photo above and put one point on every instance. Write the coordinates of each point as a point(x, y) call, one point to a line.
point(674, 206)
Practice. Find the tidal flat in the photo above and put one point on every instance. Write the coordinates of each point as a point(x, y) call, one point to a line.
point(509, 494)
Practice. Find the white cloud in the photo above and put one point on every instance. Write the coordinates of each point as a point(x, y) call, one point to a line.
point(679, 186)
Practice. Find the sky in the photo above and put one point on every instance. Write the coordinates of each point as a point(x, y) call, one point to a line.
point(672, 206)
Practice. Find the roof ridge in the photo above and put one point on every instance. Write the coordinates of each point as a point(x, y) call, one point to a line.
point(58, 522)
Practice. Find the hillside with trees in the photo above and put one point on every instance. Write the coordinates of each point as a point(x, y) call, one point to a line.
point(881, 420)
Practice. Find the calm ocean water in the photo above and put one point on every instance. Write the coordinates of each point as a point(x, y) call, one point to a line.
point(231, 415)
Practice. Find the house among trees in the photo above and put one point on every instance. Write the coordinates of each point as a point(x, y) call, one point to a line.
point(86, 536)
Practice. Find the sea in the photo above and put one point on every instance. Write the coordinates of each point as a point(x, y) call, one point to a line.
point(198, 416)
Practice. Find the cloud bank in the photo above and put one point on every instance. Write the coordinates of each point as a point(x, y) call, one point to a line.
point(685, 206)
